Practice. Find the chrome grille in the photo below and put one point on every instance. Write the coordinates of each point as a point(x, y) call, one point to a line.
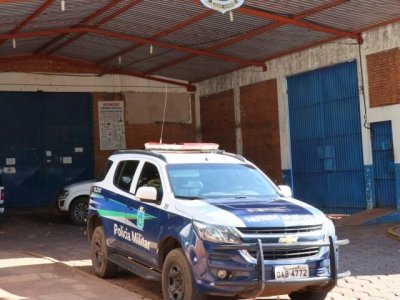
point(287, 254)
point(280, 230)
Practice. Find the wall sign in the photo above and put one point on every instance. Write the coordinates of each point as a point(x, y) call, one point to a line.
point(111, 125)
point(222, 5)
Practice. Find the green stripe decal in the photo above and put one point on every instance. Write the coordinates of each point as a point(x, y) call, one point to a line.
point(111, 213)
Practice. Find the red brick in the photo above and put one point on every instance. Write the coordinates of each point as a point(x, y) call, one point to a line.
point(260, 127)
point(383, 77)
point(218, 120)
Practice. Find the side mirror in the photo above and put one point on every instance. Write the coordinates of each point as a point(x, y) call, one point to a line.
point(286, 191)
point(147, 193)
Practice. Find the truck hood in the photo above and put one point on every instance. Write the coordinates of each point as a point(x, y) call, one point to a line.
point(279, 212)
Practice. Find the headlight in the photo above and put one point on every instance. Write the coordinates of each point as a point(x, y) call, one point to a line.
point(216, 233)
point(329, 228)
point(63, 194)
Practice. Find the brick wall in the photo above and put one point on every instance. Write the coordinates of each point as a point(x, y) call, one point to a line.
point(384, 77)
point(138, 134)
point(260, 127)
point(218, 120)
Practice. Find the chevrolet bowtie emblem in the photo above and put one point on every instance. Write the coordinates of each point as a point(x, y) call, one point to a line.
point(288, 239)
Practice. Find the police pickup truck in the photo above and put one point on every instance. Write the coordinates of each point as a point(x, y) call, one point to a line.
point(207, 222)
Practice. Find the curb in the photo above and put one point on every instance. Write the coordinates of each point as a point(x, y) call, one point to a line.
point(394, 232)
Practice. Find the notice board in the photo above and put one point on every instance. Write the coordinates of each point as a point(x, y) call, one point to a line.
point(112, 125)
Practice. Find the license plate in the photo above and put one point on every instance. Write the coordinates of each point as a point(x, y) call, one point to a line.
point(287, 272)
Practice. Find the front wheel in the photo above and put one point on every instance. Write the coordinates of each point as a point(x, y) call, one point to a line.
point(102, 267)
point(314, 295)
point(177, 281)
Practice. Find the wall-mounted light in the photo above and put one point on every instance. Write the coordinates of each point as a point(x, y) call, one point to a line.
point(14, 43)
point(62, 5)
point(231, 16)
point(119, 59)
point(151, 49)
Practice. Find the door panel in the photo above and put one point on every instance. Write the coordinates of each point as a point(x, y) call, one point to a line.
point(384, 167)
point(46, 143)
point(325, 132)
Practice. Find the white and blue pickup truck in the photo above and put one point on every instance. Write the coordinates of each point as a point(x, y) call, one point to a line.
point(207, 222)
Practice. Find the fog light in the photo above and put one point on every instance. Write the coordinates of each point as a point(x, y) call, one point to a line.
point(222, 274)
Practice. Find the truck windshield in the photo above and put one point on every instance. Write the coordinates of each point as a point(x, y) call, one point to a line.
point(218, 180)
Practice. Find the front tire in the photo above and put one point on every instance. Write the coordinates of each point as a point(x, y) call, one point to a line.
point(177, 283)
point(102, 267)
point(315, 295)
point(78, 210)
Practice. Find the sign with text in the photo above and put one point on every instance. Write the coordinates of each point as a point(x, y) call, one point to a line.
point(111, 125)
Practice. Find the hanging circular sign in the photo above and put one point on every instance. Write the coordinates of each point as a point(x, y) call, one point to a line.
point(222, 5)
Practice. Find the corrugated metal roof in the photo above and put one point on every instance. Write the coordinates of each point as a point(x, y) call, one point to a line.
point(189, 41)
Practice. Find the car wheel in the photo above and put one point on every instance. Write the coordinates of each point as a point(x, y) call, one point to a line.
point(102, 267)
point(78, 210)
point(177, 281)
point(315, 295)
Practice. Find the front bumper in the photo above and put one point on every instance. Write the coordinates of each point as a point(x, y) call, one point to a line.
point(269, 287)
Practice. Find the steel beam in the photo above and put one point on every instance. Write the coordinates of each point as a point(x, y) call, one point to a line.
point(250, 34)
point(132, 38)
point(83, 22)
point(32, 16)
point(271, 57)
point(101, 22)
point(93, 66)
point(300, 23)
point(160, 34)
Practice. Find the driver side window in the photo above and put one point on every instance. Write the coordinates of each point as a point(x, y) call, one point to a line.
point(150, 177)
point(124, 174)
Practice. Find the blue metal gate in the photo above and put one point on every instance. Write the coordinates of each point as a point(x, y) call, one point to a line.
point(325, 133)
point(384, 166)
point(46, 142)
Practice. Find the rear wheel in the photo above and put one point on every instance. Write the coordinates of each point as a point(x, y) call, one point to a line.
point(102, 267)
point(315, 295)
point(78, 210)
point(177, 281)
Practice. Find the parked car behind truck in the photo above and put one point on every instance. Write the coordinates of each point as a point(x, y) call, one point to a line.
point(207, 222)
point(74, 200)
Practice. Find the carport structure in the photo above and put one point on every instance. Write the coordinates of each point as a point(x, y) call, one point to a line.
point(293, 85)
point(177, 42)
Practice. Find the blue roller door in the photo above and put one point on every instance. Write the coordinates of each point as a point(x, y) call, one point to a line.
point(46, 142)
point(325, 133)
point(384, 166)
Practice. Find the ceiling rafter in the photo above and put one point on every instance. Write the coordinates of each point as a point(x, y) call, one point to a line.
point(132, 38)
point(97, 25)
point(300, 23)
point(32, 16)
point(90, 65)
point(83, 22)
point(275, 56)
point(75, 62)
point(250, 34)
point(160, 34)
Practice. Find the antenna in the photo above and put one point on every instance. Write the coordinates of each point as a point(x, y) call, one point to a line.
point(165, 108)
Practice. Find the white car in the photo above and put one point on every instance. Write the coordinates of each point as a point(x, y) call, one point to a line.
point(73, 199)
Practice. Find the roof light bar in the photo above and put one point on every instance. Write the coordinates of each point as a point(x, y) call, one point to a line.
point(181, 147)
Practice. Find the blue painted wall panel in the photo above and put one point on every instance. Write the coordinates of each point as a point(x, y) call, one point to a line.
point(43, 132)
point(325, 133)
